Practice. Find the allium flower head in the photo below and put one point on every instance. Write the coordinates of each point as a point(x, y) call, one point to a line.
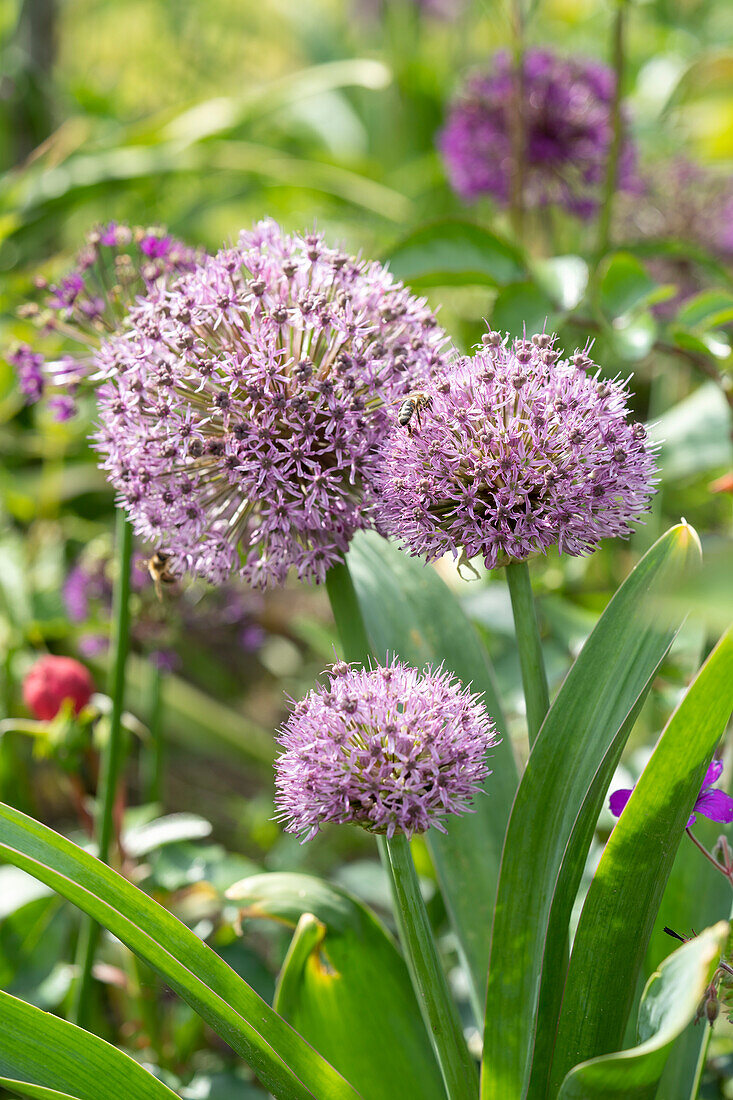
point(116, 265)
point(53, 680)
point(566, 105)
point(519, 450)
point(245, 404)
point(713, 804)
point(388, 748)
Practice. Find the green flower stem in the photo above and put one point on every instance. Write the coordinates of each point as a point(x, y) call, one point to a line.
point(428, 978)
point(153, 758)
point(438, 1009)
point(111, 758)
point(534, 677)
point(609, 189)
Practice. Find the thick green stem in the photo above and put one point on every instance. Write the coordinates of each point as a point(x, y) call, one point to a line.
point(534, 677)
point(347, 614)
point(111, 757)
point(428, 978)
point(609, 189)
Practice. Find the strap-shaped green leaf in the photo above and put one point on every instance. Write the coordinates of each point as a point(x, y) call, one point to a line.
point(554, 815)
point(43, 1056)
point(281, 1058)
point(622, 903)
point(408, 610)
point(345, 986)
point(670, 1002)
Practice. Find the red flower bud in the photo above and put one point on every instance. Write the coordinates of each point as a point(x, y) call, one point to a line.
point(51, 681)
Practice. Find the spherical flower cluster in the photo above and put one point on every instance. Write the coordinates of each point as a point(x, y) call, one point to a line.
point(518, 450)
point(53, 680)
point(115, 266)
point(566, 113)
point(387, 748)
point(245, 405)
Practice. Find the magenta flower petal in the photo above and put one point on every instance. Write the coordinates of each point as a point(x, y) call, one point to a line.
point(618, 800)
point(712, 775)
point(715, 805)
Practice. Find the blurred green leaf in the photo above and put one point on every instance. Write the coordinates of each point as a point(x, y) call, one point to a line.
point(554, 816)
point(524, 308)
point(707, 310)
point(625, 284)
point(564, 278)
point(624, 896)
point(140, 840)
point(38, 1049)
point(408, 610)
point(454, 253)
point(278, 1055)
point(669, 1003)
point(694, 435)
point(632, 338)
point(345, 986)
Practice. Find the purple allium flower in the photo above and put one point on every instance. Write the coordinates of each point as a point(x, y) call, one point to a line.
point(568, 131)
point(29, 369)
point(244, 407)
point(116, 266)
point(387, 748)
point(713, 804)
point(518, 450)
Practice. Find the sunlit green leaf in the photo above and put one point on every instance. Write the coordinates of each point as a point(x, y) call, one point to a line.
point(454, 253)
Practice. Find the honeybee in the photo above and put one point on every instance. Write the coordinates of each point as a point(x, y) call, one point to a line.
point(160, 571)
point(413, 405)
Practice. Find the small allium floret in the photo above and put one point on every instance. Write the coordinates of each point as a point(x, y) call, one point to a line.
point(388, 748)
point(520, 451)
point(245, 405)
point(566, 106)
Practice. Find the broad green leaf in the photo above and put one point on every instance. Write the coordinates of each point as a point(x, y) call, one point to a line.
point(408, 610)
point(35, 1092)
point(625, 284)
point(38, 1049)
point(554, 816)
point(454, 253)
point(345, 986)
point(564, 278)
point(694, 435)
point(707, 310)
point(282, 1060)
point(669, 1003)
point(524, 307)
point(632, 338)
point(624, 897)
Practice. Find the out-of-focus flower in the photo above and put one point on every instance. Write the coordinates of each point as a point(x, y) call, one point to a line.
point(518, 451)
point(245, 405)
point(435, 9)
point(224, 621)
point(722, 484)
point(566, 105)
point(713, 804)
point(53, 680)
point(388, 748)
point(116, 266)
point(680, 201)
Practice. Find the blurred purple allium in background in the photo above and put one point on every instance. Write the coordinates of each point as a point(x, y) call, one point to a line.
point(116, 265)
point(713, 804)
point(387, 748)
point(568, 131)
point(223, 620)
point(519, 451)
point(244, 407)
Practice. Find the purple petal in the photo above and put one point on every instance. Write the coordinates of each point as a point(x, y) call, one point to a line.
point(712, 775)
point(715, 805)
point(618, 800)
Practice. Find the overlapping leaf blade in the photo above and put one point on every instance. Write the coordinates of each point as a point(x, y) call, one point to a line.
point(622, 903)
point(281, 1058)
point(669, 1003)
point(345, 986)
point(554, 815)
point(43, 1056)
point(408, 610)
